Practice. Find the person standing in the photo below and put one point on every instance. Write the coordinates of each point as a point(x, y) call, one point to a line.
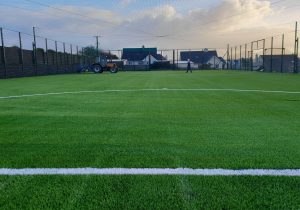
point(189, 69)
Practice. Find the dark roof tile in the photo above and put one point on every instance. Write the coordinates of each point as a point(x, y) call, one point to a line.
point(200, 57)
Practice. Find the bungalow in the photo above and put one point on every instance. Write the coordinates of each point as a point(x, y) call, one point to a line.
point(204, 59)
point(141, 56)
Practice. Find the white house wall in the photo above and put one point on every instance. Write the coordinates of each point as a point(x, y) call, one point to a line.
point(215, 63)
point(146, 60)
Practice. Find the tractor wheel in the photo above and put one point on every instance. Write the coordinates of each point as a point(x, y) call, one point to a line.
point(113, 70)
point(97, 69)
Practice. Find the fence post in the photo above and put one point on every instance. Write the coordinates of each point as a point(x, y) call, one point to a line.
point(56, 57)
point(82, 56)
point(240, 57)
point(235, 58)
point(21, 53)
point(282, 52)
point(246, 62)
point(228, 56)
point(173, 59)
point(264, 52)
point(71, 58)
point(231, 58)
point(296, 49)
point(46, 53)
point(3, 53)
point(77, 55)
point(251, 64)
point(297, 53)
point(214, 62)
point(177, 59)
point(34, 51)
point(149, 61)
point(65, 60)
point(271, 61)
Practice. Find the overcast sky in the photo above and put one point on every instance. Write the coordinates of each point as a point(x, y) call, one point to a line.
point(153, 23)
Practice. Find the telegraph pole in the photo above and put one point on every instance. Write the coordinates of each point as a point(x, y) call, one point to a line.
point(97, 43)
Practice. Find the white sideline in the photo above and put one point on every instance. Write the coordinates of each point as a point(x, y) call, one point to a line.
point(149, 171)
point(141, 90)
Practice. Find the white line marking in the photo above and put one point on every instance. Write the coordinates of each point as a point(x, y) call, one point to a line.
point(149, 171)
point(141, 90)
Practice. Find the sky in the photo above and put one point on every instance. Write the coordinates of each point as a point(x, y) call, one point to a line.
point(166, 24)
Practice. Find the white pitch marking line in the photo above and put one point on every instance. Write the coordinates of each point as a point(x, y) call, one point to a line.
point(149, 171)
point(140, 90)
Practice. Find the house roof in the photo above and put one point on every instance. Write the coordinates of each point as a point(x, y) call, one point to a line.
point(140, 50)
point(159, 57)
point(139, 54)
point(222, 59)
point(200, 57)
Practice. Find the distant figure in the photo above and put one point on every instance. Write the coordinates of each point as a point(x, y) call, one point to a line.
point(189, 69)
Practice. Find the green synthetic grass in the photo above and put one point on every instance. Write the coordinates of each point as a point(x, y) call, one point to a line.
point(149, 192)
point(195, 129)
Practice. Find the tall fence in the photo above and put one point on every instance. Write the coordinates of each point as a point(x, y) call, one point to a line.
point(279, 53)
point(23, 54)
point(171, 59)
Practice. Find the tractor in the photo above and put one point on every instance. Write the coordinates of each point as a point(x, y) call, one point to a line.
point(103, 64)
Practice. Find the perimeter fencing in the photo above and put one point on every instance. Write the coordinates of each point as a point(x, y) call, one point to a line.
point(171, 59)
point(25, 55)
point(277, 53)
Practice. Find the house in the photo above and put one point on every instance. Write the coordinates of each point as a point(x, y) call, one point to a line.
point(141, 56)
point(204, 59)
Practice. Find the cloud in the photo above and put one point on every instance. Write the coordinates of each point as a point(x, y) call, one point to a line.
point(126, 3)
point(230, 21)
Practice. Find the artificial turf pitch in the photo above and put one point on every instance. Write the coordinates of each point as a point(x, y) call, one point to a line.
point(151, 129)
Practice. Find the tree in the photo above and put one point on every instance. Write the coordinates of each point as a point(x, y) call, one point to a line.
point(91, 51)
